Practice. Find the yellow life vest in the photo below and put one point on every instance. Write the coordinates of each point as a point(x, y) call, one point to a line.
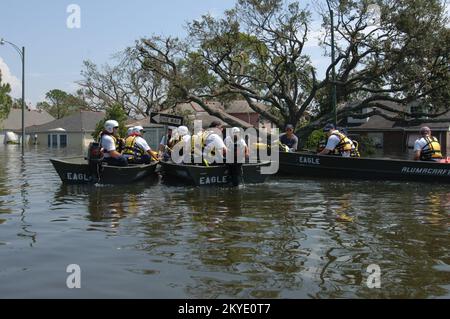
point(432, 150)
point(131, 148)
point(345, 145)
point(115, 139)
point(202, 136)
point(198, 152)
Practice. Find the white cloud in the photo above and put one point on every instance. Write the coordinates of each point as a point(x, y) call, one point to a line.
point(7, 77)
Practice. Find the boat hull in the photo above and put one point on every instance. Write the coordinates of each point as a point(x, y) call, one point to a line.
point(77, 171)
point(304, 164)
point(213, 175)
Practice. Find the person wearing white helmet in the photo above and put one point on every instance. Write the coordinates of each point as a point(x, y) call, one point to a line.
point(214, 147)
point(180, 145)
point(136, 149)
point(174, 139)
point(180, 134)
point(237, 146)
point(110, 144)
point(130, 131)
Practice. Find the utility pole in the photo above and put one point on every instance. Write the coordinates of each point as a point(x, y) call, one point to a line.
point(333, 59)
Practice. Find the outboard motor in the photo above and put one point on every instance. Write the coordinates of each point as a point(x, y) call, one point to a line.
point(95, 158)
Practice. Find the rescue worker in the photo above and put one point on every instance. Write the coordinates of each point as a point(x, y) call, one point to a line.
point(427, 148)
point(163, 154)
point(338, 143)
point(214, 147)
point(110, 143)
point(180, 142)
point(237, 154)
point(237, 146)
point(288, 140)
point(136, 149)
point(130, 131)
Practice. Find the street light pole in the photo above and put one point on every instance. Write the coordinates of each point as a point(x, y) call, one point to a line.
point(333, 59)
point(22, 55)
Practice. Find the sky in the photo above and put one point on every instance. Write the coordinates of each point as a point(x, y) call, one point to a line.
point(55, 52)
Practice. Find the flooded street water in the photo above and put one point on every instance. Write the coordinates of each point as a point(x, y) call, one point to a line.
point(275, 240)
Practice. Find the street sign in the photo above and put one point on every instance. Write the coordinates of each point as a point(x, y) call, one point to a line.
point(166, 119)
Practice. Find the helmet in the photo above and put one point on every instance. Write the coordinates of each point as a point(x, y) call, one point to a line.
point(183, 130)
point(130, 131)
point(137, 129)
point(235, 130)
point(110, 125)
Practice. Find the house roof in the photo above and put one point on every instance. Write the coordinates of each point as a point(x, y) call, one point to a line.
point(379, 123)
point(81, 121)
point(32, 117)
point(196, 112)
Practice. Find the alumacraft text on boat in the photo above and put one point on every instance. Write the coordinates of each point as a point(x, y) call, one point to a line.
point(309, 160)
point(425, 171)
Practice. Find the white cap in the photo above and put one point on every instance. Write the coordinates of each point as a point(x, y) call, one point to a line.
point(235, 130)
point(110, 125)
point(137, 129)
point(183, 130)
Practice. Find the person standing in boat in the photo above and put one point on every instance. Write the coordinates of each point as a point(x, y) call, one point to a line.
point(338, 143)
point(136, 149)
point(214, 147)
point(288, 140)
point(237, 146)
point(427, 148)
point(110, 143)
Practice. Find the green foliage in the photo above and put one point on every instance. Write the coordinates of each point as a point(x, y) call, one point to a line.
point(59, 103)
point(115, 112)
point(366, 146)
point(5, 99)
point(314, 138)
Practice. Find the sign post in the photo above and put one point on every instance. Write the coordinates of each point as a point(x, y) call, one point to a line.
point(166, 119)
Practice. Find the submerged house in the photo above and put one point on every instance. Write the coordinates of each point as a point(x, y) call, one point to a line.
point(74, 130)
point(391, 136)
point(11, 127)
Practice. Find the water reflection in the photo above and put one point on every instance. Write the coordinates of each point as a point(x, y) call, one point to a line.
point(277, 240)
point(106, 205)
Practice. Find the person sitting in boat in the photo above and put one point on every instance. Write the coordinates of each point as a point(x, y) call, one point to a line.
point(136, 149)
point(110, 144)
point(214, 149)
point(130, 131)
point(237, 146)
point(180, 142)
point(288, 140)
point(338, 143)
point(427, 148)
point(163, 153)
